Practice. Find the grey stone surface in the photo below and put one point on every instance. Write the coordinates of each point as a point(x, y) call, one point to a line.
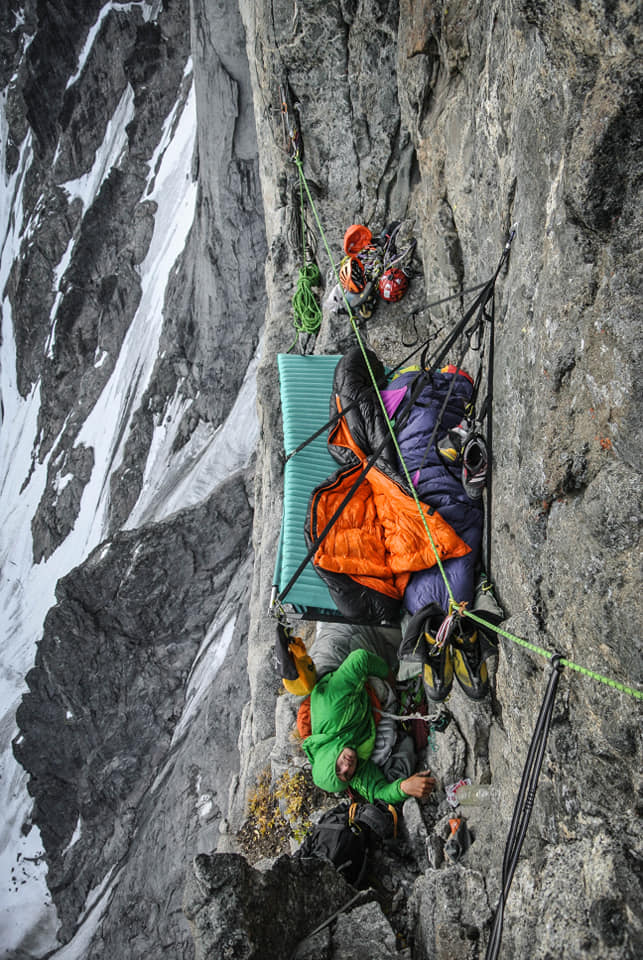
point(118, 765)
point(231, 906)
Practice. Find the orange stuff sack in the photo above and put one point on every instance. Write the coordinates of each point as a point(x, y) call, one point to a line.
point(304, 725)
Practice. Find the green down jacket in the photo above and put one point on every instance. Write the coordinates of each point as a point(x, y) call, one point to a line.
point(341, 716)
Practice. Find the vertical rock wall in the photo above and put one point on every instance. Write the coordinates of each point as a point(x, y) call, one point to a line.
point(469, 118)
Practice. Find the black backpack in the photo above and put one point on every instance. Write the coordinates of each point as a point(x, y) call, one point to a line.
point(344, 833)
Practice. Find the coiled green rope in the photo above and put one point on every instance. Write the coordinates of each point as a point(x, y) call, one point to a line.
point(308, 315)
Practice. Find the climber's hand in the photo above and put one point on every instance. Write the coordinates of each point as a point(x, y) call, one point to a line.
point(420, 785)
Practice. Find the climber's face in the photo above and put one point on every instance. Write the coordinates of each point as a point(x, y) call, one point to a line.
point(346, 764)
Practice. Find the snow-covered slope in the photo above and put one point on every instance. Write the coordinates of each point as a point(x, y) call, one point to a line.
point(150, 140)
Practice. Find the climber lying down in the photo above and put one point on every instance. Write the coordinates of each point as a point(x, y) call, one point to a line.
point(343, 745)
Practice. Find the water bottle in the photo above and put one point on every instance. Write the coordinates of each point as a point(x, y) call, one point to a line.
point(474, 795)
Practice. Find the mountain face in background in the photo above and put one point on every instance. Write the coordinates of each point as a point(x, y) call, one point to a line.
point(133, 300)
point(149, 216)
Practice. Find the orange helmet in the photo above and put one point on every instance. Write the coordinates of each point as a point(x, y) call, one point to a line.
point(393, 285)
point(351, 275)
point(356, 238)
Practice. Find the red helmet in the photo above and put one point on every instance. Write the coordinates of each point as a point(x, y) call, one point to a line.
point(351, 275)
point(393, 285)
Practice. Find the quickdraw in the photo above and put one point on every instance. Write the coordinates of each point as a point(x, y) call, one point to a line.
point(290, 128)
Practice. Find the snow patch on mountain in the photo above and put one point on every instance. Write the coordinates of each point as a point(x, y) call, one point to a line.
point(27, 590)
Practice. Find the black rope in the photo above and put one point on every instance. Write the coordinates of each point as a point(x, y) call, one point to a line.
point(488, 412)
point(524, 804)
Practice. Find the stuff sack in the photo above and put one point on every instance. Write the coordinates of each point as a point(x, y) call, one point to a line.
point(294, 662)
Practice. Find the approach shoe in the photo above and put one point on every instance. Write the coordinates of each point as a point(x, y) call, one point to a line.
point(469, 664)
point(486, 607)
point(474, 467)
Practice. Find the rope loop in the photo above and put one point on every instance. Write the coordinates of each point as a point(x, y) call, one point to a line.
point(457, 608)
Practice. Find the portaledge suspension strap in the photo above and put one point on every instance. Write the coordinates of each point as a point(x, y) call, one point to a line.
point(524, 803)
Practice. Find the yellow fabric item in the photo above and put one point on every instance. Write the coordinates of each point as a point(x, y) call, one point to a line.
point(307, 675)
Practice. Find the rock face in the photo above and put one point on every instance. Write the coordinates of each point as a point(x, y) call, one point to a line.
point(107, 780)
point(464, 119)
point(231, 907)
point(468, 119)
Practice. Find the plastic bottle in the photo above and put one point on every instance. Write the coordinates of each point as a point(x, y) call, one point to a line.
point(474, 795)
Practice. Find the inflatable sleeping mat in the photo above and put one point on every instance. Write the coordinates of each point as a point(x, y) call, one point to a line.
point(305, 384)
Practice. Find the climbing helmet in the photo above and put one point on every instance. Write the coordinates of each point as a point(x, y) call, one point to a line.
point(351, 275)
point(393, 285)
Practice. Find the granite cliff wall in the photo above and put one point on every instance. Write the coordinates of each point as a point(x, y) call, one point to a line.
point(468, 118)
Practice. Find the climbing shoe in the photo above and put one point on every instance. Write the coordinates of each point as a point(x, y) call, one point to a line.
point(474, 466)
point(420, 642)
point(438, 664)
point(451, 445)
point(469, 664)
point(413, 627)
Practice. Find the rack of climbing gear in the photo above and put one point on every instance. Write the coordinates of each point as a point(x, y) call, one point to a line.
point(373, 268)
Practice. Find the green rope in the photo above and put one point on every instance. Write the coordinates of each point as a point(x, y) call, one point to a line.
point(632, 691)
point(615, 684)
point(308, 315)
